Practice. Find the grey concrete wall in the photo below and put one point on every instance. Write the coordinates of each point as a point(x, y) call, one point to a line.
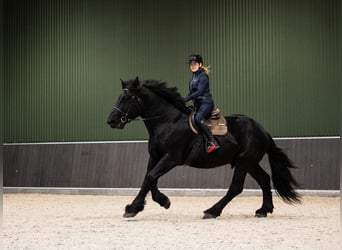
point(123, 165)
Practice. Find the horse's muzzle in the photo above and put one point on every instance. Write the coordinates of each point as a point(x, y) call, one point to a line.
point(114, 124)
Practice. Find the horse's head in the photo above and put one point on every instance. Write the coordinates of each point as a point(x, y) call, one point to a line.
point(128, 106)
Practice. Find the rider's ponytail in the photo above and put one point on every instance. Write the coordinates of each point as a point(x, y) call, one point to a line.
point(206, 69)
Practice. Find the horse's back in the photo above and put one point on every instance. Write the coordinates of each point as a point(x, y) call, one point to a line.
point(252, 138)
point(238, 125)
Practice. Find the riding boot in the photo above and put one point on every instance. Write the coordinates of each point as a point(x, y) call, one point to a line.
point(212, 143)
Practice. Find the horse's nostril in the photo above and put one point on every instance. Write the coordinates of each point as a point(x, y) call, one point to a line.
point(111, 124)
point(109, 121)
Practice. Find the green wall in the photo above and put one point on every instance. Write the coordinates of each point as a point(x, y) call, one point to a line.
point(273, 60)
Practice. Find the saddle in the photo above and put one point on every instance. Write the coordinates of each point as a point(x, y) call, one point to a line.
point(216, 123)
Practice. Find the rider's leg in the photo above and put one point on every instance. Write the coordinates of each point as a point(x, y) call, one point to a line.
point(212, 143)
point(203, 113)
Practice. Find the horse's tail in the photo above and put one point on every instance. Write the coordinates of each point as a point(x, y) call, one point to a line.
point(283, 180)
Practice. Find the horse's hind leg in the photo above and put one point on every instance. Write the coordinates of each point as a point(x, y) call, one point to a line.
point(264, 181)
point(235, 188)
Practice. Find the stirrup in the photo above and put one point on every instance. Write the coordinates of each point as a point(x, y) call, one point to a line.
point(212, 147)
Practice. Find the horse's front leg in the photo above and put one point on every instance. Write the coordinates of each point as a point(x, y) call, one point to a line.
point(139, 202)
point(155, 169)
point(160, 198)
point(157, 196)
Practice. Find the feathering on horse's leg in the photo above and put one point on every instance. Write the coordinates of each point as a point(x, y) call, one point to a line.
point(264, 181)
point(138, 203)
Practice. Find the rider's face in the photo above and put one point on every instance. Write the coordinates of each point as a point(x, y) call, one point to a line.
point(194, 66)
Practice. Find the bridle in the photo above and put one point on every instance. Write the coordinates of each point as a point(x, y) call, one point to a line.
point(125, 115)
point(124, 118)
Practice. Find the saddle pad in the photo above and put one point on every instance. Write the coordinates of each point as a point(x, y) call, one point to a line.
point(217, 126)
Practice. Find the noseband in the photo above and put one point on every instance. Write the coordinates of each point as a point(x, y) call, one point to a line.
point(124, 118)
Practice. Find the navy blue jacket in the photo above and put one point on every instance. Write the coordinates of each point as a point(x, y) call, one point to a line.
point(199, 90)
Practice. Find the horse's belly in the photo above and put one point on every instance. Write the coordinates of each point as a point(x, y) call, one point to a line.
point(199, 158)
point(212, 160)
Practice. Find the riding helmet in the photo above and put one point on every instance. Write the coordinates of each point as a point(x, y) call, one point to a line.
point(195, 58)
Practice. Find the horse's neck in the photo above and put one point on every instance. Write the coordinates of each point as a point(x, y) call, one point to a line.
point(159, 113)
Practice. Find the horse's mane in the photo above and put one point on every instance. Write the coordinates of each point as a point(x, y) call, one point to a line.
point(168, 93)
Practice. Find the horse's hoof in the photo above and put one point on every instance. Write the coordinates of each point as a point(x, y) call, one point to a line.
point(208, 216)
point(129, 215)
point(260, 215)
point(167, 204)
point(262, 212)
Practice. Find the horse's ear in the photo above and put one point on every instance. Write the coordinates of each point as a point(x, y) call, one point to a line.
point(136, 84)
point(123, 84)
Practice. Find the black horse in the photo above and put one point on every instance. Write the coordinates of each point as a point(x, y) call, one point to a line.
point(172, 143)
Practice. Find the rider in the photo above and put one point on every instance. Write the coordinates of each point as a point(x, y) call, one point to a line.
point(199, 93)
